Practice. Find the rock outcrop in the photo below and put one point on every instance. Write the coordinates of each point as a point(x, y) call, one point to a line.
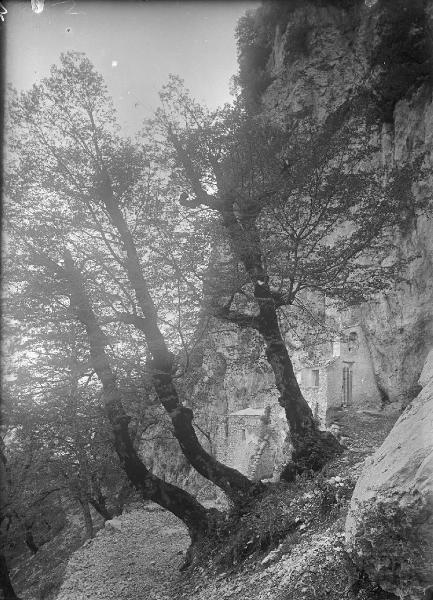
point(389, 528)
point(314, 56)
point(399, 325)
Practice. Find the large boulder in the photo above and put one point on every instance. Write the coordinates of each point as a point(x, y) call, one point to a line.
point(389, 528)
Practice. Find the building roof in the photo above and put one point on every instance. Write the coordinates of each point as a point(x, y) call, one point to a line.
point(322, 364)
point(248, 412)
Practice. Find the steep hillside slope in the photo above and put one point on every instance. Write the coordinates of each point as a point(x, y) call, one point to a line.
point(138, 555)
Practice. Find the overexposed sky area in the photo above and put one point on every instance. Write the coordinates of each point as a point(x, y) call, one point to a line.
point(135, 44)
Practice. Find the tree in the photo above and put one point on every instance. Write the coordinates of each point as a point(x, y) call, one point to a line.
point(59, 442)
point(31, 496)
point(303, 209)
point(98, 253)
point(5, 582)
point(84, 223)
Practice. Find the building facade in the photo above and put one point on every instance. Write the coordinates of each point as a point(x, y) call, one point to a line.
point(255, 439)
point(343, 379)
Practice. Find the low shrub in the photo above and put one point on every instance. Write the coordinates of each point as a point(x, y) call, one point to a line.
point(280, 517)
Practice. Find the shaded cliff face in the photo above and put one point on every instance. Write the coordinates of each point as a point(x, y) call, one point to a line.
point(399, 326)
point(320, 54)
point(393, 500)
point(316, 61)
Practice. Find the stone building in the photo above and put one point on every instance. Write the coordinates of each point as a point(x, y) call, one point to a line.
point(254, 439)
point(343, 378)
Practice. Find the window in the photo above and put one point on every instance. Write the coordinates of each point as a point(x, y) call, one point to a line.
point(336, 349)
point(353, 341)
point(315, 377)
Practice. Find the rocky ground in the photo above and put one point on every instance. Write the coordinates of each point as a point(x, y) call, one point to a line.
point(139, 559)
point(135, 557)
point(138, 556)
point(312, 563)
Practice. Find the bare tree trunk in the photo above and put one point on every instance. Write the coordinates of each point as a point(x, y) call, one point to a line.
point(174, 499)
point(312, 448)
point(7, 591)
point(238, 487)
point(102, 509)
point(88, 522)
point(120, 499)
point(98, 501)
point(29, 539)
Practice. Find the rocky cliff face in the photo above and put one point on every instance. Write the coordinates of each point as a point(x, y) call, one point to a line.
point(399, 326)
point(389, 529)
point(311, 56)
point(318, 56)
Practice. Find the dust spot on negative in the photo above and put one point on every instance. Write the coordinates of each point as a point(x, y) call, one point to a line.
point(68, 30)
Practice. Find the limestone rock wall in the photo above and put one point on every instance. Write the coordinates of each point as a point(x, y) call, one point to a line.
point(316, 61)
point(247, 382)
point(399, 326)
point(389, 528)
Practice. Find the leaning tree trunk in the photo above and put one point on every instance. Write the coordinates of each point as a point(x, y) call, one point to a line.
point(170, 497)
point(237, 487)
point(29, 538)
point(98, 501)
point(312, 448)
point(101, 509)
point(6, 588)
point(87, 515)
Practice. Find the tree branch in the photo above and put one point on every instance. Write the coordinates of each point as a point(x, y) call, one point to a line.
point(237, 318)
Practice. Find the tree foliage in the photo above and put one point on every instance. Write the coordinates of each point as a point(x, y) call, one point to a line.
point(104, 259)
point(323, 210)
point(111, 278)
point(401, 59)
point(303, 206)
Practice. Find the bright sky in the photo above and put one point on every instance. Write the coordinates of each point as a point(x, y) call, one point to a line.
point(135, 44)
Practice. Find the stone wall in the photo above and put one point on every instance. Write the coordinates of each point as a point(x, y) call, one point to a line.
point(315, 395)
point(254, 445)
point(365, 392)
point(242, 440)
point(334, 382)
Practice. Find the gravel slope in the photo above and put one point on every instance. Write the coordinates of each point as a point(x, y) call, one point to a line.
point(137, 559)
